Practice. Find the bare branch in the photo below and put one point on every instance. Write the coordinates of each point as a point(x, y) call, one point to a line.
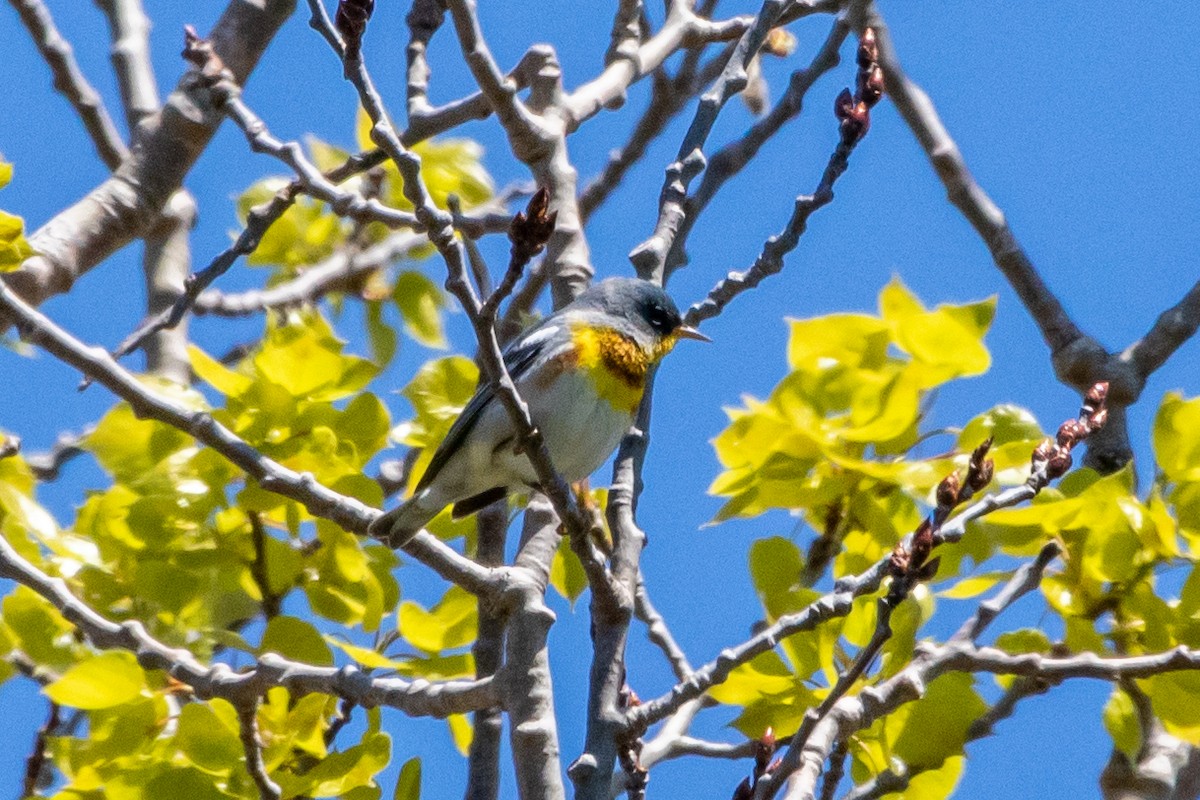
point(1174, 327)
point(681, 29)
point(733, 157)
point(121, 208)
point(658, 632)
point(536, 134)
point(483, 759)
point(35, 764)
point(338, 273)
point(649, 257)
point(247, 713)
point(166, 264)
point(969, 198)
point(854, 115)
point(130, 31)
point(804, 760)
point(67, 446)
point(70, 81)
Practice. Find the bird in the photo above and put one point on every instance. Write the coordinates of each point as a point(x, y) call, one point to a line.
point(581, 371)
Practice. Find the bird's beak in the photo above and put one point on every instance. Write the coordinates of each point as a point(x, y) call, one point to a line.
point(688, 332)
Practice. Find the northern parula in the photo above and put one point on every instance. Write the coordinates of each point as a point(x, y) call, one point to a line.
point(581, 371)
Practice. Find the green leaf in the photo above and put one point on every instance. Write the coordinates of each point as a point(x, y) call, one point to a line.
point(301, 354)
point(1177, 437)
point(213, 372)
point(382, 338)
point(1121, 722)
point(945, 343)
point(1024, 640)
point(933, 784)
point(1175, 698)
point(461, 731)
point(421, 302)
point(208, 735)
point(341, 772)
point(306, 233)
point(14, 247)
point(186, 782)
point(451, 623)
point(856, 340)
point(408, 785)
point(566, 572)
point(37, 628)
point(973, 586)
point(949, 707)
point(109, 679)
point(365, 656)
point(296, 639)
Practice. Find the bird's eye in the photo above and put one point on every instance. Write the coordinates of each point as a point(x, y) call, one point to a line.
point(658, 318)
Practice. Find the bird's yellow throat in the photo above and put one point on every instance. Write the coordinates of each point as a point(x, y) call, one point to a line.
point(616, 363)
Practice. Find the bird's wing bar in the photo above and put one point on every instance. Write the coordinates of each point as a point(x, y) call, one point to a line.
point(518, 359)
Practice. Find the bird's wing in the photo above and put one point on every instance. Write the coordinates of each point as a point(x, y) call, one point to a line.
point(518, 359)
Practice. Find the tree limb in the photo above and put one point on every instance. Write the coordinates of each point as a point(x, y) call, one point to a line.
point(70, 81)
point(120, 209)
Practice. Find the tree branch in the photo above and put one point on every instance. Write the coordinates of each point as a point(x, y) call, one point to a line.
point(70, 81)
point(130, 31)
point(1174, 327)
point(969, 198)
point(416, 698)
point(247, 713)
point(650, 257)
point(733, 157)
point(120, 209)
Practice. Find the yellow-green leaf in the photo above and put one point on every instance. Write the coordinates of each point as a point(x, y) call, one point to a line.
point(296, 639)
point(451, 623)
point(421, 302)
point(408, 785)
point(109, 679)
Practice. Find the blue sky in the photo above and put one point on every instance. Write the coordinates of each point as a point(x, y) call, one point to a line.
point(1079, 120)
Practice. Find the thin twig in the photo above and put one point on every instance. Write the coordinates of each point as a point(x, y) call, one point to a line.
point(258, 568)
point(35, 764)
point(252, 747)
point(727, 162)
point(70, 81)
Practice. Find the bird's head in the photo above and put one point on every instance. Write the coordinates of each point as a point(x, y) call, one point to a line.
point(642, 309)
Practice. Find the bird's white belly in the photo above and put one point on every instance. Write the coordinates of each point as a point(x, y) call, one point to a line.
point(580, 429)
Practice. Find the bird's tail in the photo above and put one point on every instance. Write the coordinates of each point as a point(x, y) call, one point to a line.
point(398, 526)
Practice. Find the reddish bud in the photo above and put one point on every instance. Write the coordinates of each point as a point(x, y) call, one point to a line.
point(1096, 395)
point(351, 22)
point(1071, 433)
point(898, 561)
point(1096, 420)
point(854, 116)
point(981, 468)
point(868, 49)
point(922, 543)
point(984, 476)
point(1059, 463)
point(531, 228)
point(947, 491)
point(870, 85)
point(1041, 453)
point(764, 748)
point(930, 569)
